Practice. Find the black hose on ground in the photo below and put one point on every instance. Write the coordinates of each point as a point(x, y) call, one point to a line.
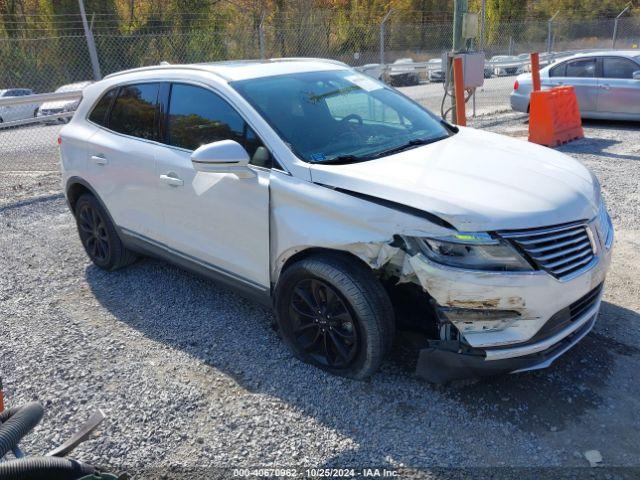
point(16, 423)
point(44, 468)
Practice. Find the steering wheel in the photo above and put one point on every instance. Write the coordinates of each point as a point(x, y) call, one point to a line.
point(353, 116)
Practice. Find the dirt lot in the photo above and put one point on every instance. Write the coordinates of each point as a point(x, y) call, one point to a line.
point(191, 374)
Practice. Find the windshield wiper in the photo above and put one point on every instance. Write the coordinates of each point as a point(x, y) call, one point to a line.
point(449, 126)
point(342, 159)
point(416, 142)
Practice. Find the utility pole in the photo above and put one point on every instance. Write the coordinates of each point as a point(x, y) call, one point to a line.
point(615, 24)
point(550, 31)
point(459, 9)
point(382, 28)
point(91, 45)
point(482, 23)
point(261, 36)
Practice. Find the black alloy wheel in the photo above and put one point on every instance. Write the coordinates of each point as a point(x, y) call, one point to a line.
point(323, 326)
point(333, 313)
point(93, 233)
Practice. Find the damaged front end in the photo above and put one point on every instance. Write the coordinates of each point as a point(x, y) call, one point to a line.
point(478, 303)
point(509, 317)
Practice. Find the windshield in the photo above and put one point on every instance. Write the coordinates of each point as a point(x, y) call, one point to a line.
point(339, 115)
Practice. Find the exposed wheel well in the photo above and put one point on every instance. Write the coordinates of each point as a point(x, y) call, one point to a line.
point(307, 252)
point(74, 192)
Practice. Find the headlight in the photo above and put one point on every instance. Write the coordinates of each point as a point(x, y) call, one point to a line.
point(475, 251)
point(597, 190)
point(604, 226)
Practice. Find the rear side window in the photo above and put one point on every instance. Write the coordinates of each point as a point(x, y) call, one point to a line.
point(558, 71)
point(135, 111)
point(198, 116)
point(618, 68)
point(581, 68)
point(99, 113)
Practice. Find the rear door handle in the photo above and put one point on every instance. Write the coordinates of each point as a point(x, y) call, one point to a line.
point(99, 159)
point(174, 181)
point(605, 86)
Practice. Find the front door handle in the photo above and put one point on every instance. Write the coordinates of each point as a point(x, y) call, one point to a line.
point(605, 86)
point(99, 159)
point(171, 179)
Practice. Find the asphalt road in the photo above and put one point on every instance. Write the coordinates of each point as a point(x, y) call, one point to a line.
point(492, 97)
point(192, 376)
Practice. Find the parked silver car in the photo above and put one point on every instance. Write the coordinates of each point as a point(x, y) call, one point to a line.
point(505, 65)
point(58, 107)
point(12, 113)
point(607, 83)
point(435, 72)
point(403, 73)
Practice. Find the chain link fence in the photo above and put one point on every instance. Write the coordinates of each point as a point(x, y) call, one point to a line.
point(405, 54)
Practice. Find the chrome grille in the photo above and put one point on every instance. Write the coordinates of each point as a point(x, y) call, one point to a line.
point(561, 250)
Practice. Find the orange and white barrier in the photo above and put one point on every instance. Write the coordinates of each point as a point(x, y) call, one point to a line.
point(554, 117)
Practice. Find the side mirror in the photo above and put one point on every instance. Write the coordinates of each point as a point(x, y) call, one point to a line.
point(636, 75)
point(225, 156)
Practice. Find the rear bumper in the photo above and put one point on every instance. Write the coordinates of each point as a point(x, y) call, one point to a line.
point(440, 365)
point(519, 102)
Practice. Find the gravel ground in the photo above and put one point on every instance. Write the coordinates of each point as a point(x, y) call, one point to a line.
point(192, 375)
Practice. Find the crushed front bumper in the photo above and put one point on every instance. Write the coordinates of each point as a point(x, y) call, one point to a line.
point(440, 363)
point(548, 316)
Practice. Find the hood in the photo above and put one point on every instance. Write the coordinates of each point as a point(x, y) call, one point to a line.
point(476, 181)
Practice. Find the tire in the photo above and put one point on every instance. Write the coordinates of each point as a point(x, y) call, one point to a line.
point(98, 235)
point(365, 329)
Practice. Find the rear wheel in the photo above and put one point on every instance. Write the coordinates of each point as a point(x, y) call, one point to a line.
point(98, 235)
point(334, 314)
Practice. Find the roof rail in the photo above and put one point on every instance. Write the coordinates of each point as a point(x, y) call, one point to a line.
point(200, 67)
point(206, 66)
point(308, 59)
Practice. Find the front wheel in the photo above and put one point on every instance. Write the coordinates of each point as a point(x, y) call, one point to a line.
point(333, 313)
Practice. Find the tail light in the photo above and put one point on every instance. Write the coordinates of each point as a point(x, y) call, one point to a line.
point(59, 140)
point(516, 85)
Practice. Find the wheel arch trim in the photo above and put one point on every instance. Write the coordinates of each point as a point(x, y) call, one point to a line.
point(75, 180)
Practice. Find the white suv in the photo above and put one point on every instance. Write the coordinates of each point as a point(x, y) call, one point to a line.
point(346, 206)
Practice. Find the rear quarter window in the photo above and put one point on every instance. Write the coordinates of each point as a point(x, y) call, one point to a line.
point(99, 113)
point(558, 71)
